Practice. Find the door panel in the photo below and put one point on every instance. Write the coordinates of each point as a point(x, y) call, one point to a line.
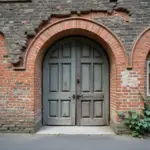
point(85, 109)
point(65, 108)
point(53, 108)
point(97, 109)
point(59, 106)
point(97, 78)
point(90, 69)
point(66, 78)
point(85, 77)
point(79, 67)
point(54, 77)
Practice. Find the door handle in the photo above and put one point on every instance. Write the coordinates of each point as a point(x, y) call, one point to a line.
point(73, 96)
point(79, 96)
point(76, 96)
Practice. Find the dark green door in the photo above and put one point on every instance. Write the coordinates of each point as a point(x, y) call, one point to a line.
point(75, 87)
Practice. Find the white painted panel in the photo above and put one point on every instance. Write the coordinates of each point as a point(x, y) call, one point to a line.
point(97, 77)
point(86, 51)
point(66, 77)
point(53, 108)
point(55, 53)
point(97, 53)
point(54, 77)
point(86, 77)
point(85, 106)
point(98, 109)
point(65, 108)
point(66, 50)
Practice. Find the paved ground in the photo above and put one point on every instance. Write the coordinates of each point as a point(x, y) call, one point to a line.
point(71, 142)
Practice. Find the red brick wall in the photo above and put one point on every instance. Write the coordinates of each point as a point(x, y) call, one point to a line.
point(16, 96)
point(21, 90)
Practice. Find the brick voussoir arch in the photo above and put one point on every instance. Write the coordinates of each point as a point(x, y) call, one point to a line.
point(82, 24)
point(141, 48)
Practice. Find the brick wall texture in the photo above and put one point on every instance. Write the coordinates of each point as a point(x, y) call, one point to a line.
point(28, 28)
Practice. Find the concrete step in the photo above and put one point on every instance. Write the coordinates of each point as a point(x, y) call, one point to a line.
point(74, 130)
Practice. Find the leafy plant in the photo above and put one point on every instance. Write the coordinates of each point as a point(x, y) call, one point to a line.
point(138, 123)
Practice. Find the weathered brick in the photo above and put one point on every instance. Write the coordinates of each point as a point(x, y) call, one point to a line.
point(21, 91)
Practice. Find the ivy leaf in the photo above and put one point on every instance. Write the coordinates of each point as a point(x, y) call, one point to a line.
point(127, 122)
point(137, 127)
point(127, 117)
point(142, 121)
point(145, 125)
point(147, 119)
point(147, 112)
point(132, 122)
point(134, 116)
point(139, 124)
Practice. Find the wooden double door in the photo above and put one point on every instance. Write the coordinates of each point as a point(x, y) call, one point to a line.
point(75, 83)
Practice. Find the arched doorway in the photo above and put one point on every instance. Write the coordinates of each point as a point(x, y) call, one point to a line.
point(72, 27)
point(75, 83)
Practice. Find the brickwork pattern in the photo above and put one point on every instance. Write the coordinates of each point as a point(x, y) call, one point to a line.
point(19, 21)
point(28, 29)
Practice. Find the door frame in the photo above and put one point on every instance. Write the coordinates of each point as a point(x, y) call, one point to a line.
point(107, 80)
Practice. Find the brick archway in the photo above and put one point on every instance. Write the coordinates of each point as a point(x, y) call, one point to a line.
point(141, 48)
point(76, 26)
point(139, 55)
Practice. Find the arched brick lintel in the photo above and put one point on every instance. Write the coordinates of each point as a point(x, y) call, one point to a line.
point(69, 27)
point(79, 26)
point(2, 39)
point(141, 49)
